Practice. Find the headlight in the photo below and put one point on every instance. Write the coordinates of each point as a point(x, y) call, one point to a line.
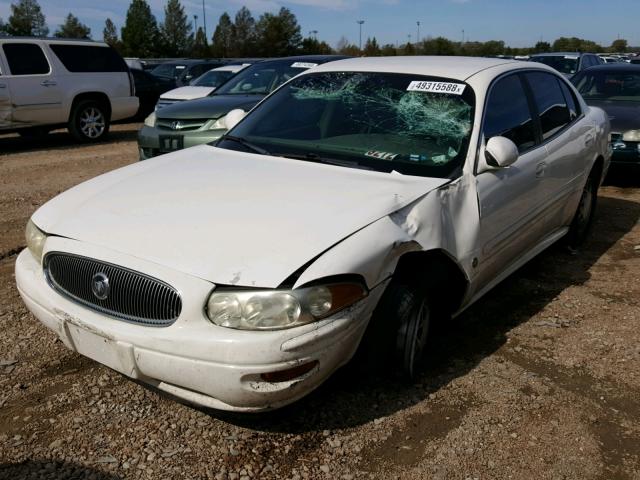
point(35, 240)
point(150, 121)
point(219, 124)
point(278, 309)
point(631, 136)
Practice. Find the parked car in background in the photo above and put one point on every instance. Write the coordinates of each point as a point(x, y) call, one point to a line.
point(149, 88)
point(351, 208)
point(567, 63)
point(52, 83)
point(194, 122)
point(183, 71)
point(616, 89)
point(201, 86)
point(609, 59)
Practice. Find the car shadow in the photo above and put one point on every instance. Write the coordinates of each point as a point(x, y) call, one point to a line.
point(623, 176)
point(46, 468)
point(61, 139)
point(349, 399)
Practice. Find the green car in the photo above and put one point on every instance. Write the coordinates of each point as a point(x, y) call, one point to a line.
point(199, 121)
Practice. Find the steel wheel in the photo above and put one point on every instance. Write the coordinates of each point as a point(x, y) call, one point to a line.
point(583, 217)
point(412, 336)
point(92, 122)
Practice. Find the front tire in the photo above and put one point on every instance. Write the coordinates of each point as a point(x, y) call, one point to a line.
point(89, 121)
point(583, 218)
point(399, 328)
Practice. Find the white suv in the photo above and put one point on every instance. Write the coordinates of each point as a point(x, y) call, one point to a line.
point(50, 83)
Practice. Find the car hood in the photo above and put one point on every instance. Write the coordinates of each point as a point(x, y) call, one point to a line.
point(209, 107)
point(227, 217)
point(187, 93)
point(623, 115)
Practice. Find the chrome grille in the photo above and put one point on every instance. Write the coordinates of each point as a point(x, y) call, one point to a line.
point(132, 296)
point(179, 125)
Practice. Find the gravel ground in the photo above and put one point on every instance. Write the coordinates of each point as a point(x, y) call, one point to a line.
point(540, 379)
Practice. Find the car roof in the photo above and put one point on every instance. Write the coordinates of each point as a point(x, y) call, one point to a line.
point(459, 68)
point(306, 58)
point(560, 54)
point(230, 68)
point(74, 41)
point(615, 67)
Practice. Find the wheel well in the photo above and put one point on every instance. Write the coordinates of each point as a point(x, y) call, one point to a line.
point(96, 96)
point(597, 168)
point(444, 278)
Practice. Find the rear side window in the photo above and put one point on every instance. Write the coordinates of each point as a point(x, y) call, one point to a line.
point(25, 59)
point(88, 58)
point(508, 113)
point(551, 103)
point(572, 102)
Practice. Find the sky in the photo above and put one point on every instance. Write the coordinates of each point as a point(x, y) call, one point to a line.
point(519, 23)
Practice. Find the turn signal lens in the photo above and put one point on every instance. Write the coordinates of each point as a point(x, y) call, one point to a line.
point(35, 240)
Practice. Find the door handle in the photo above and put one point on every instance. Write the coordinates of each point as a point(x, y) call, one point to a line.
point(540, 168)
point(48, 83)
point(588, 141)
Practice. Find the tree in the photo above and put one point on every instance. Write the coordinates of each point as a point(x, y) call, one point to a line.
point(27, 19)
point(176, 30)
point(200, 46)
point(438, 46)
point(619, 46)
point(140, 31)
point(542, 47)
point(408, 49)
point(388, 50)
point(574, 44)
point(110, 33)
point(371, 48)
point(2, 28)
point(311, 46)
point(278, 35)
point(73, 28)
point(243, 34)
point(221, 41)
point(343, 47)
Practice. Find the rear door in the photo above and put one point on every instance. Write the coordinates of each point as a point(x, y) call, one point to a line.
point(563, 136)
point(5, 96)
point(35, 93)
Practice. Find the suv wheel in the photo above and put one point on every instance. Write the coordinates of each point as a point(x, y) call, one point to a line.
point(89, 121)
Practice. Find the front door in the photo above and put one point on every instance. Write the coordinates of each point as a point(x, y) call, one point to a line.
point(510, 199)
point(36, 95)
point(5, 99)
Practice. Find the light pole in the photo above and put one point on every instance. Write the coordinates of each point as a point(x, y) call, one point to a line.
point(418, 37)
point(195, 24)
point(463, 36)
point(360, 22)
point(204, 21)
point(313, 33)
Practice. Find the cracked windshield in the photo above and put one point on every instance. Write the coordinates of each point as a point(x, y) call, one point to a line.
point(410, 124)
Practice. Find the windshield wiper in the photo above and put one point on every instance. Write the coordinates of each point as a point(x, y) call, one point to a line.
point(315, 158)
point(247, 144)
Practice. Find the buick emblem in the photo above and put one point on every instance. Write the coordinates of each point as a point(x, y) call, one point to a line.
point(100, 286)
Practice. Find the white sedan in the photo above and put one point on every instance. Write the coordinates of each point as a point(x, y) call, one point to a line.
point(353, 205)
point(201, 86)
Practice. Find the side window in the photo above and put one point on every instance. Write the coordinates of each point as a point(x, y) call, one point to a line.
point(25, 59)
point(88, 58)
point(508, 113)
point(572, 102)
point(551, 103)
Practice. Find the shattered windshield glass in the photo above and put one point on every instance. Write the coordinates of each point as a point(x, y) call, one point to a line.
point(411, 124)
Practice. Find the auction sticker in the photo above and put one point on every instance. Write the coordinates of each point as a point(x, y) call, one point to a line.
point(303, 65)
point(381, 155)
point(436, 87)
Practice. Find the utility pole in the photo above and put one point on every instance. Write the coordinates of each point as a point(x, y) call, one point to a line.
point(418, 37)
point(463, 36)
point(204, 21)
point(360, 22)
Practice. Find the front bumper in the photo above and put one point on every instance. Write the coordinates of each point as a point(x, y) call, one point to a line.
point(149, 140)
point(193, 359)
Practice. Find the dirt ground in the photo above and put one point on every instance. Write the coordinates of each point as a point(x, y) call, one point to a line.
point(538, 380)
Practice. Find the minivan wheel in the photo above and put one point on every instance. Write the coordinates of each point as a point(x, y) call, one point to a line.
point(398, 331)
point(583, 218)
point(89, 121)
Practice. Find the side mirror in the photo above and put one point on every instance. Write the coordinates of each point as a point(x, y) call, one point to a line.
point(233, 117)
point(500, 152)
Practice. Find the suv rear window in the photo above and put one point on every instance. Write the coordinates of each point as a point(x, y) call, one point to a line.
point(87, 58)
point(25, 59)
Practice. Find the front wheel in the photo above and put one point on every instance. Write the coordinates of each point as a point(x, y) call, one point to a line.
point(89, 121)
point(583, 218)
point(399, 327)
